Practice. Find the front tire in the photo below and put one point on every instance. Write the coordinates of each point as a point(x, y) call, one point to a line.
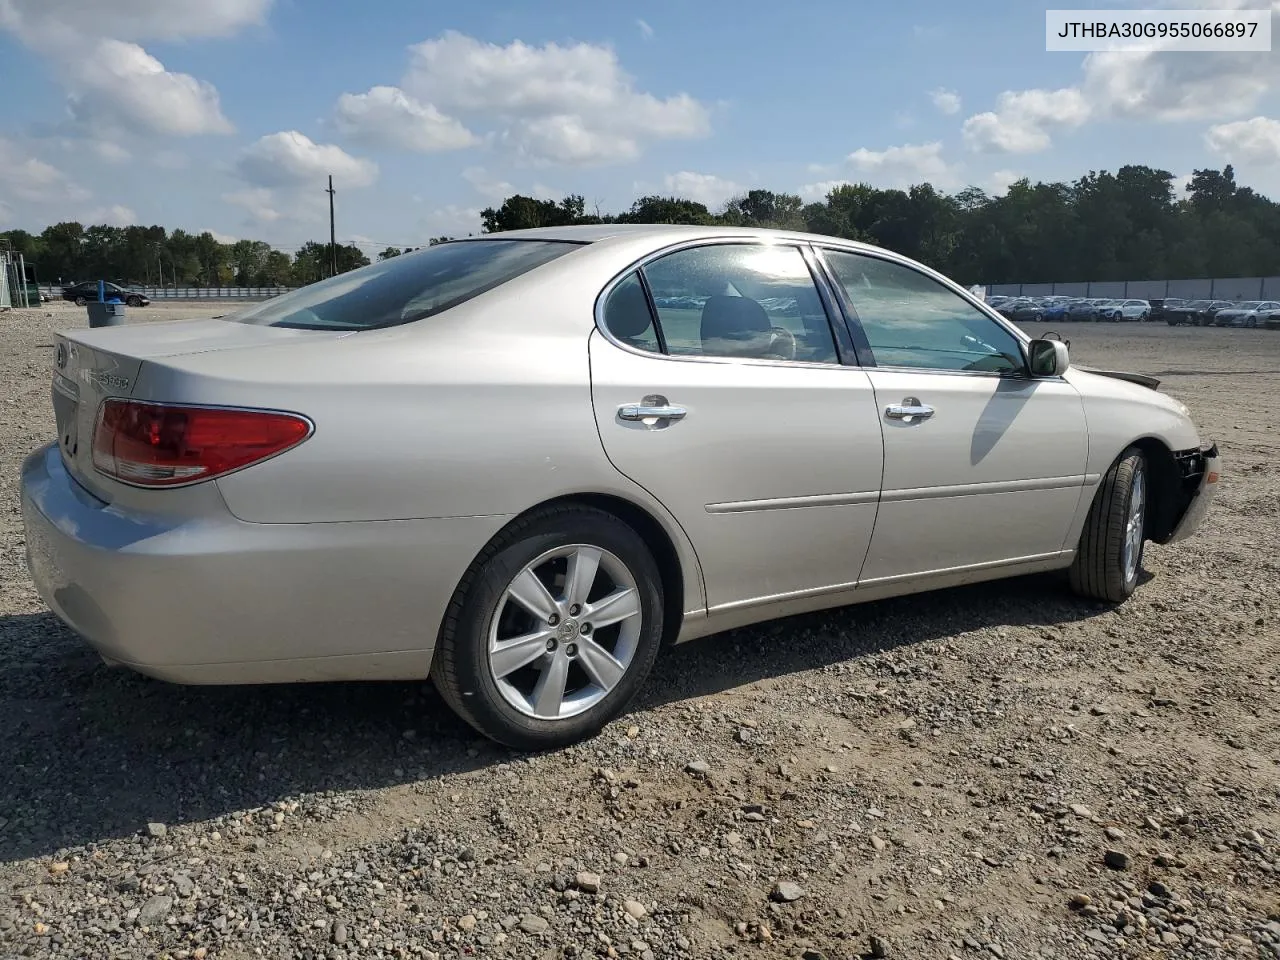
point(553, 629)
point(1109, 556)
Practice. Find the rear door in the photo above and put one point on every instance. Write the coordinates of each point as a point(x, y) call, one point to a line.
point(736, 411)
point(983, 466)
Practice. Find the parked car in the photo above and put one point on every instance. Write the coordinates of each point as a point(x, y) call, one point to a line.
point(1206, 314)
point(1243, 314)
point(1023, 309)
point(1054, 311)
point(1185, 313)
point(82, 293)
point(1269, 319)
point(1082, 310)
point(1108, 310)
point(576, 476)
point(1131, 309)
point(1161, 306)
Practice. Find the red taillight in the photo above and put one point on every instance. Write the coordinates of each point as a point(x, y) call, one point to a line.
point(161, 445)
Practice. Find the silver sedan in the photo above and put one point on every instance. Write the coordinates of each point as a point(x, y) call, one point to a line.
point(521, 464)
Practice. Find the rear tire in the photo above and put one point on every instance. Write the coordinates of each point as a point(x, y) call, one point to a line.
point(80, 301)
point(133, 302)
point(1109, 556)
point(538, 681)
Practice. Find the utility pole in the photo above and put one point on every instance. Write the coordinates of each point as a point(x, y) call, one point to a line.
point(333, 243)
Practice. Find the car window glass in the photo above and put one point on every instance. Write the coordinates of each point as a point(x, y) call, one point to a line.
point(740, 300)
point(406, 288)
point(627, 315)
point(911, 320)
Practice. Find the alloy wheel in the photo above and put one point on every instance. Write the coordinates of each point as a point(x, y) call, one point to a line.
point(565, 632)
point(1133, 525)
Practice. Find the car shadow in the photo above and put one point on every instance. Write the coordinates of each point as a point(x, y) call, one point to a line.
point(95, 753)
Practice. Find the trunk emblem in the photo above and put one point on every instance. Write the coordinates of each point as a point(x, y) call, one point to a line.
point(105, 381)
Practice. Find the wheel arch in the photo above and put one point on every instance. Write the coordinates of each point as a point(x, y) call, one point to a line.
point(658, 541)
point(1165, 479)
point(651, 530)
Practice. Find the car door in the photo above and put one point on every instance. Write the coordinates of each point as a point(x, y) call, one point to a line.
point(983, 465)
point(736, 411)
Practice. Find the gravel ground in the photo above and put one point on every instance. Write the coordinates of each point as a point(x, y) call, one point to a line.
point(993, 771)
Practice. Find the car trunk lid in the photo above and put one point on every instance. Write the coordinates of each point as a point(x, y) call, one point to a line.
point(90, 366)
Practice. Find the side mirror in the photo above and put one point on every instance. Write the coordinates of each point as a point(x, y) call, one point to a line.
point(1048, 358)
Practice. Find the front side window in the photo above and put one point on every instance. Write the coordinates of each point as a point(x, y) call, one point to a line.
point(740, 300)
point(911, 320)
point(403, 289)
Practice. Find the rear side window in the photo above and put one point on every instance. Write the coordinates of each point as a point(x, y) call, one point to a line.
point(403, 289)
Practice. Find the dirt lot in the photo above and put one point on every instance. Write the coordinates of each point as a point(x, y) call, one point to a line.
point(925, 778)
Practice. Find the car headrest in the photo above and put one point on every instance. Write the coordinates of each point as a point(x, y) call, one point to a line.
point(735, 326)
point(627, 313)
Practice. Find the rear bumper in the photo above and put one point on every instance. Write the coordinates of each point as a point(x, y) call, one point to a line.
point(1209, 462)
point(217, 600)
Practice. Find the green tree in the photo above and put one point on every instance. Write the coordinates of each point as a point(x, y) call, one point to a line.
point(390, 252)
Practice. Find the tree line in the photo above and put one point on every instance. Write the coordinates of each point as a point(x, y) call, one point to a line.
point(1130, 225)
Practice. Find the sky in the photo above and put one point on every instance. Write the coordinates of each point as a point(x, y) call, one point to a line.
point(229, 115)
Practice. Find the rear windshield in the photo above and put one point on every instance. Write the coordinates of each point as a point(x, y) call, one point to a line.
point(406, 288)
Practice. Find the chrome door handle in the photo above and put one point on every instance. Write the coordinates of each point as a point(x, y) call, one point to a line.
point(909, 411)
point(652, 407)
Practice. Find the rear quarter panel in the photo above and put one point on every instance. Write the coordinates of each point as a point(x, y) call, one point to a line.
point(484, 410)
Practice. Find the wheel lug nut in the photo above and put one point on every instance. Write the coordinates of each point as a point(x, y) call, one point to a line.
point(586, 629)
point(553, 619)
point(571, 649)
point(575, 610)
point(551, 645)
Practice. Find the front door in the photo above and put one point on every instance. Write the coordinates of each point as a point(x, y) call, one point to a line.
point(984, 466)
point(733, 409)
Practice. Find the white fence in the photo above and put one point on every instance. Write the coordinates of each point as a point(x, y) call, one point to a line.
point(1225, 288)
point(54, 291)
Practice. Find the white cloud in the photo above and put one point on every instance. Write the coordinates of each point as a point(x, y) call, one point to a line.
point(1255, 141)
point(1169, 86)
point(119, 83)
point(947, 101)
point(570, 140)
point(1162, 86)
point(169, 159)
point(113, 216)
point(705, 188)
point(561, 104)
point(289, 158)
point(451, 221)
point(489, 187)
point(220, 237)
point(259, 202)
point(646, 31)
point(818, 191)
point(387, 116)
point(111, 81)
point(1022, 121)
point(998, 183)
point(132, 19)
point(905, 165)
point(25, 177)
point(110, 152)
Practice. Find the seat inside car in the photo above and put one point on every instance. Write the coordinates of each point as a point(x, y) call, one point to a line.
point(736, 327)
point(629, 317)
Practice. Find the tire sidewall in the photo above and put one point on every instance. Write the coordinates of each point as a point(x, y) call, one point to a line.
point(475, 683)
point(1130, 464)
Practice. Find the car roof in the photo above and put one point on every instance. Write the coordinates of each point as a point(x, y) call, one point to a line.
point(662, 232)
